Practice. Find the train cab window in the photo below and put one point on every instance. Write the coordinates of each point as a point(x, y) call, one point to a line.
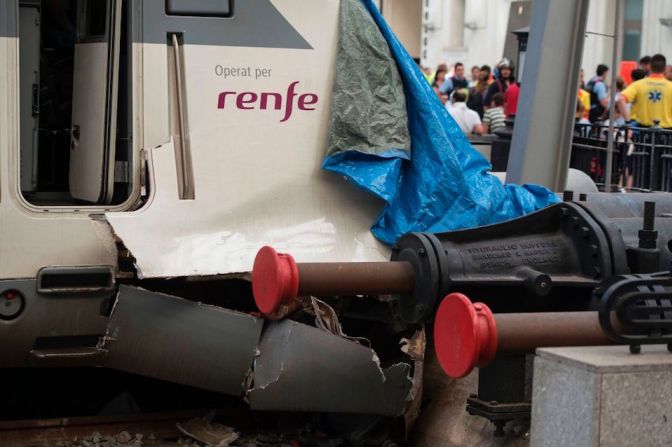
point(200, 8)
point(75, 121)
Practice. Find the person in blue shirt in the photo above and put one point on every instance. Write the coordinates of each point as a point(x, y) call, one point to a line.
point(599, 94)
point(455, 82)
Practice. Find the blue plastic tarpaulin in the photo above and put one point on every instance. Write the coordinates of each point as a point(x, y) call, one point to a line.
point(446, 184)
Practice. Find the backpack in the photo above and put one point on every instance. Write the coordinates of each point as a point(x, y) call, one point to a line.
point(596, 109)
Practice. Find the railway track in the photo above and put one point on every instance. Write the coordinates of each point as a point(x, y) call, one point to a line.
point(153, 429)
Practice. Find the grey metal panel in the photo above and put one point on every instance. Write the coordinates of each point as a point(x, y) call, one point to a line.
point(302, 368)
point(519, 17)
point(181, 341)
point(255, 23)
point(221, 8)
point(540, 148)
point(45, 316)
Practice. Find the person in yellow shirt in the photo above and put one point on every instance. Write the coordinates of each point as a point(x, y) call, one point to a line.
point(584, 99)
point(651, 97)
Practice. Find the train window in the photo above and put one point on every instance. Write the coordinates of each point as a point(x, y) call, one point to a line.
point(95, 23)
point(200, 8)
point(75, 147)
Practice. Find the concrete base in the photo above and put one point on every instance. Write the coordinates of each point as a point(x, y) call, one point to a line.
point(602, 396)
point(444, 422)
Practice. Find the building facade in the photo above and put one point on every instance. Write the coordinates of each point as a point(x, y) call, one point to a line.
point(478, 32)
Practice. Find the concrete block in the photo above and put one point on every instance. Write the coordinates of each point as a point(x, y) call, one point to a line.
point(602, 396)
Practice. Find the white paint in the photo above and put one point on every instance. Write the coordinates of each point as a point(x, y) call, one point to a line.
point(258, 181)
point(30, 240)
point(89, 103)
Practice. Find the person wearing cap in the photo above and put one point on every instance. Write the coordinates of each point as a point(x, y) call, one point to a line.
point(504, 78)
point(651, 97)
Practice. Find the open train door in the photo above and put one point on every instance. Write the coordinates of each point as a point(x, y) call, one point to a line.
point(94, 102)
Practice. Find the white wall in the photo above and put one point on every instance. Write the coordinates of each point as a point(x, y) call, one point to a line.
point(597, 47)
point(657, 38)
point(405, 18)
point(469, 31)
point(473, 32)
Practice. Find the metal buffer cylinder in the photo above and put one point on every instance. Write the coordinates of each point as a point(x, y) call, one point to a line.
point(469, 335)
point(633, 310)
point(550, 260)
point(278, 280)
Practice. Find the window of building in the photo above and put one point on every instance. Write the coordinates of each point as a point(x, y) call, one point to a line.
point(632, 29)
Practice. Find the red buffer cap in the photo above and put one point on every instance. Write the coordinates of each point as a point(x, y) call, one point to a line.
point(275, 280)
point(465, 335)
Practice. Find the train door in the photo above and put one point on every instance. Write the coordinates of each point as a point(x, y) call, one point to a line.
point(94, 101)
point(29, 60)
point(75, 142)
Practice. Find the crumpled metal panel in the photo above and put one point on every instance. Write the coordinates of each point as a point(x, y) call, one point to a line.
point(181, 341)
point(301, 368)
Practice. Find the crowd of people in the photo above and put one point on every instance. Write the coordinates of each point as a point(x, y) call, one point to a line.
point(482, 102)
point(479, 104)
point(644, 100)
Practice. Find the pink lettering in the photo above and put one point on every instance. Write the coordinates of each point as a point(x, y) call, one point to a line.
point(262, 101)
point(290, 101)
point(242, 102)
point(277, 103)
point(222, 99)
point(307, 99)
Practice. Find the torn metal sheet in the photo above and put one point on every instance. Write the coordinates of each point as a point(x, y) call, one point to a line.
point(302, 368)
point(180, 341)
point(312, 216)
point(415, 349)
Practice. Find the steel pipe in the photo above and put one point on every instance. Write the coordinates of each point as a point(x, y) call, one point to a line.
point(277, 279)
point(469, 335)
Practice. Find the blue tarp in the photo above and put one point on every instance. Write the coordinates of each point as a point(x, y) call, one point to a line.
point(446, 184)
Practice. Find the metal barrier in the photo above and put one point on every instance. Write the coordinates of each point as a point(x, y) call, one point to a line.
point(642, 156)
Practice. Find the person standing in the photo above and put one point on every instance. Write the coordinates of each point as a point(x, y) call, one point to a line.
point(668, 72)
point(584, 98)
point(455, 82)
point(622, 110)
point(651, 97)
point(475, 76)
point(477, 93)
point(467, 119)
point(494, 117)
point(599, 93)
point(645, 64)
point(511, 100)
point(440, 74)
point(503, 79)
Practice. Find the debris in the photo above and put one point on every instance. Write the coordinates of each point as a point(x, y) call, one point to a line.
point(327, 320)
point(208, 432)
point(123, 437)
